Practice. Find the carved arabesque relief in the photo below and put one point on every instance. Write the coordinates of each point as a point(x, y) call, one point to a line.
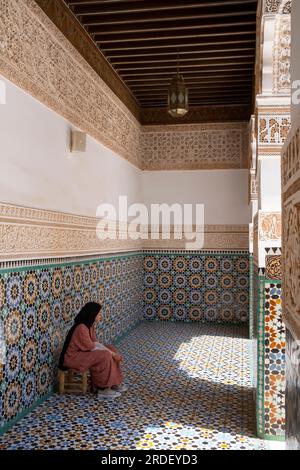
point(27, 233)
point(290, 163)
point(273, 129)
point(291, 158)
point(198, 146)
point(282, 55)
point(291, 263)
point(278, 6)
point(269, 226)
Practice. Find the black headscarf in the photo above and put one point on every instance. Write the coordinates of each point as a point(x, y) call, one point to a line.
point(87, 317)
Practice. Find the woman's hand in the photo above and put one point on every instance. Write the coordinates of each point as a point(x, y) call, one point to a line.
point(117, 357)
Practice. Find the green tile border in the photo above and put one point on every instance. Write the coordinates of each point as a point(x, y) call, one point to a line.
point(38, 267)
point(35, 267)
point(268, 437)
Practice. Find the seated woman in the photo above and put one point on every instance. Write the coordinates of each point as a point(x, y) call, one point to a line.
point(82, 351)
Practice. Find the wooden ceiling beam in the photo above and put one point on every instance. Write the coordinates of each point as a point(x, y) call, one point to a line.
point(114, 8)
point(196, 84)
point(73, 3)
point(171, 54)
point(230, 68)
point(193, 91)
point(229, 30)
point(141, 21)
point(164, 45)
point(201, 93)
point(167, 79)
point(184, 64)
point(107, 31)
point(215, 102)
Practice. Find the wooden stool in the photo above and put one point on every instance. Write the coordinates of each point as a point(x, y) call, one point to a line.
point(70, 381)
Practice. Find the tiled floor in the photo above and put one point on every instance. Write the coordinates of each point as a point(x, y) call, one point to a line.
point(189, 389)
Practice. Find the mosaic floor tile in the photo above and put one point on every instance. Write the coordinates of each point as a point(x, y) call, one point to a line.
point(190, 388)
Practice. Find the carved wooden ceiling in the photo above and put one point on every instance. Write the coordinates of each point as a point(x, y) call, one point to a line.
point(142, 39)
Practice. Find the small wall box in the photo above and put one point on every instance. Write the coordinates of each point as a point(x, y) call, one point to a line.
point(77, 141)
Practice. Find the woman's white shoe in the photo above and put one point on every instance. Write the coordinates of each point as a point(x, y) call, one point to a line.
point(108, 394)
point(121, 388)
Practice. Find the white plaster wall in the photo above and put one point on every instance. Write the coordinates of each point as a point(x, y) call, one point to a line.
point(37, 169)
point(295, 58)
point(267, 55)
point(224, 193)
point(270, 194)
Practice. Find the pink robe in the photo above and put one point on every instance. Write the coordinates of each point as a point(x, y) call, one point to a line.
point(105, 371)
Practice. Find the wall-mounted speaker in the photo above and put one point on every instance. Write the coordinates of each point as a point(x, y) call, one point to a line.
point(77, 141)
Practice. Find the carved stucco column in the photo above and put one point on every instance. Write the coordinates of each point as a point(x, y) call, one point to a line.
point(272, 125)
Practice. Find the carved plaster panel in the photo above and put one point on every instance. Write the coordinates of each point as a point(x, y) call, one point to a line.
point(269, 226)
point(282, 56)
point(27, 233)
point(283, 7)
point(291, 231)
point(191, 147)
point(267, 233)
point(273, 129)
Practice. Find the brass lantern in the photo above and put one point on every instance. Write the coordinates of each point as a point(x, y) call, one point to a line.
point(178, 97)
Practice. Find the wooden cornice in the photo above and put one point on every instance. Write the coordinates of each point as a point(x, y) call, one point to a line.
point(197, 114)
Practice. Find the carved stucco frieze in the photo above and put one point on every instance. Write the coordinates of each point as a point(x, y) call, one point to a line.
point(269, 226)
point(272, 6)
point(190, 147)
point(267, 232)
point(273, 129)
point(283, 7)
point(27, 233)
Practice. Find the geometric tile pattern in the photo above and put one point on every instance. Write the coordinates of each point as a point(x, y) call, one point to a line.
point(271, 362)
point(274, 362)
point(251, 298)
point(190, 388)
point(202, 287)
point(37, 308)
